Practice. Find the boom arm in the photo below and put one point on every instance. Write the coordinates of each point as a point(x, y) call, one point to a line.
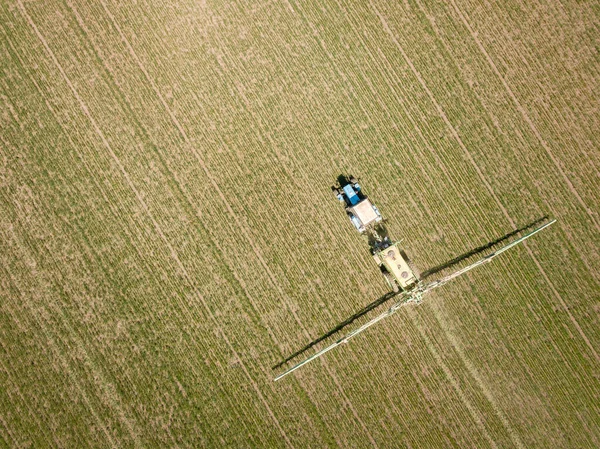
point(347, 337)
point(415, 296)
point(484, 260)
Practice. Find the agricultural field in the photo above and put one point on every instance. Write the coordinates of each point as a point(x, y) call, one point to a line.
point(168, 232)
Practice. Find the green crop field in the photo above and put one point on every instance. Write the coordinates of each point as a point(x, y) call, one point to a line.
point(168, 232)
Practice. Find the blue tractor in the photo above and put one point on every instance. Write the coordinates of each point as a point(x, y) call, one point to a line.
point(366, 218)
point(362, 213)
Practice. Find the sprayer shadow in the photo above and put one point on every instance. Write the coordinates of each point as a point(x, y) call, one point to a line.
point(431, 271)
point(427, 273)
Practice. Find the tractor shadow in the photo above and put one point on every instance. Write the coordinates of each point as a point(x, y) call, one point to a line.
point(424, 275)
point(343, 180)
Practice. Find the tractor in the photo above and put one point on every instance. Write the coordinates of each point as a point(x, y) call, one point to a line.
point(366, 218)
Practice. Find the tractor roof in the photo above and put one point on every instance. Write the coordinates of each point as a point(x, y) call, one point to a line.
point(351, 194)
point(364, 212)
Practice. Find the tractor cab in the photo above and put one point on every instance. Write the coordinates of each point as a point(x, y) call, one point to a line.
point(362, 213)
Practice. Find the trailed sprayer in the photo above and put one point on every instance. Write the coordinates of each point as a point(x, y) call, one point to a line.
point(366, 218)
point(393, 262)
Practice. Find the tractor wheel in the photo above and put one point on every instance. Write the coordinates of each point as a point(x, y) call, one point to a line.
point(353, 180)
point(414, 269)
point(388, 276)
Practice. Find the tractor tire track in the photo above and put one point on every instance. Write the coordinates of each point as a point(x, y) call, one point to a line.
point(476, 415)
point(527, 119)
point(33, 414)
point(9, 434)
point(548, 207)
point(224, 200)
point(475, 375)
point(483, 179)
point(178, 185)
point(140, 199)
point(65, 363)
